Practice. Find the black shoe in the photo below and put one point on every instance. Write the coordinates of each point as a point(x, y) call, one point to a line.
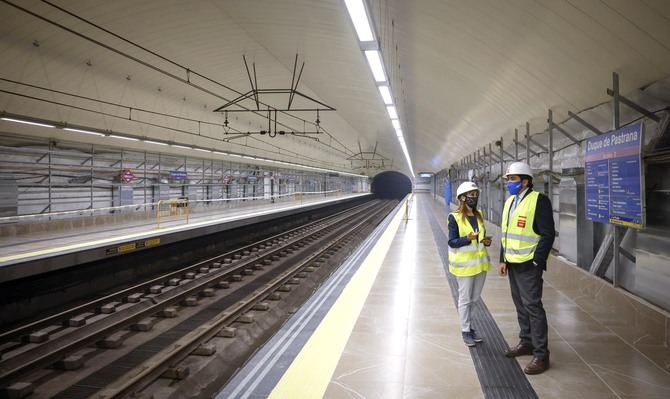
point(467, 338)
point(519, 350)
point(476, 337)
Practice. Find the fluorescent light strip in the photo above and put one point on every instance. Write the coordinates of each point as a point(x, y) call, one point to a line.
point(154, 142)
point(386, 95)
point(69, 129)
point(27, 122)
point(359, 17)
point(123, 138)
point(392, 112)
point(396, 124)
point(181, 146)
point(375, 62)
point(202, 149)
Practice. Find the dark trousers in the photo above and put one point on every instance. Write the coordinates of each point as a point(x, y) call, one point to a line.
point(525, 280)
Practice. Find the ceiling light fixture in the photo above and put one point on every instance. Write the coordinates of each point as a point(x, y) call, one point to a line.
point(69, 129)
point(154, 142)
point(396, 124)
point(27, 122)
point(359, 17)
point(376, 66)
point(181, 146)
point(123, 137)
point(386, 95)
point(393, 114)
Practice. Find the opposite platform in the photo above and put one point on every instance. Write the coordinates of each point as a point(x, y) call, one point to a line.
point(41, 253)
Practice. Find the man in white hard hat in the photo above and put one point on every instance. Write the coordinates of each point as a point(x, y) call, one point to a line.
point(527, 237)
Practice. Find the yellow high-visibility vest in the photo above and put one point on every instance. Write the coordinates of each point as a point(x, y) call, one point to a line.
point(519, 240)
point(473, 258)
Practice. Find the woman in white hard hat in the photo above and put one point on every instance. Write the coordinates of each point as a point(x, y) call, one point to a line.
point(468, 258)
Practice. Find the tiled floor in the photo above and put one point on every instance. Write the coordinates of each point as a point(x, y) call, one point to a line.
point(407, 343)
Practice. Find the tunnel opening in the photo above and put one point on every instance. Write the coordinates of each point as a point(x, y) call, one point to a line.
point(391, 185)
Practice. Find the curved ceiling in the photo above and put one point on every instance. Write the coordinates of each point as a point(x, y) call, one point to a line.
point(463, 73)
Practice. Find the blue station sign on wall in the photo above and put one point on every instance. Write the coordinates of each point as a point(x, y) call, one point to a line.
point(614, 179)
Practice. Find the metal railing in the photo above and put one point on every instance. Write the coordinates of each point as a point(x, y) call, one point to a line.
point(201, 205)
point(171, 208)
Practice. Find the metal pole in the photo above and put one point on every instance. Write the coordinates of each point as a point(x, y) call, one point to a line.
point(550, 119)
point(50, 150)
point(516, 144)
point(528, 143)
point(617, 238)
point(145, 179)
point(488, 185)
point(92, 163)
point(502, 171)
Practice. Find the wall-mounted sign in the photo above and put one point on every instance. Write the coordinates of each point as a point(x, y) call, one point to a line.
point(251, 179)
point(178, 175)
point(614, 179)
point(126, 176)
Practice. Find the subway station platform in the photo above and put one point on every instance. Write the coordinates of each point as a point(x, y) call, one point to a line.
point(24, 255)
point(385, 326)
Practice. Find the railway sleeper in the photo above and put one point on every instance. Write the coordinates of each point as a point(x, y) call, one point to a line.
point(79, 320)
point(190, 301)
point(42, 335)
point(134, 298)
point(176, 373)
point(144, 325)
point(168, 313)
point(227, 332)
point(223, 284)
point(70, 363)
point(262, 306)
point(246, 318)
point(17, 390)
point(108, 308)
point(204, 350)
point(113, 341)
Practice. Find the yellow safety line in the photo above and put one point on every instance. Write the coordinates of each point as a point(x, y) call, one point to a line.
point(309, 374)
point(150, 233)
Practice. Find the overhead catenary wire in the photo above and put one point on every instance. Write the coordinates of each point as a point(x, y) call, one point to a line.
point(187, 71)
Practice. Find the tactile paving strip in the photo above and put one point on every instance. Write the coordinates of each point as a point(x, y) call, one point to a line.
point(499, 376)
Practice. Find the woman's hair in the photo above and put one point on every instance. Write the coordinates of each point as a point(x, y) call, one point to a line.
point(462, 208)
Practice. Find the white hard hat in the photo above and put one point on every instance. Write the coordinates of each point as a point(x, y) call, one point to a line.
point(465, 187)
point(519, 168)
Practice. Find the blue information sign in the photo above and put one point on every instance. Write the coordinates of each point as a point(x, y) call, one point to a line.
point(178, 175)
point(614, 181)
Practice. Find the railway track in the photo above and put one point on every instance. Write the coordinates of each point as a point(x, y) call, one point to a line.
point(243, 280)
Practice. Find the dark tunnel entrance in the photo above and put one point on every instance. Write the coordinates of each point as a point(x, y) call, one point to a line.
point(391, 185)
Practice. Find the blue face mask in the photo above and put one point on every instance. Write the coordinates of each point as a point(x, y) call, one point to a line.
point(514, 187)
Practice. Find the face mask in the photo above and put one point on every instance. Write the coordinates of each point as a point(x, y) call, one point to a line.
point(514, 187)
point(472, 202)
